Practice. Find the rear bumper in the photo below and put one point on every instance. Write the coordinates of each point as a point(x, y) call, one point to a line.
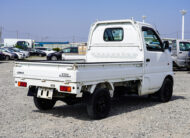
point(75, 87)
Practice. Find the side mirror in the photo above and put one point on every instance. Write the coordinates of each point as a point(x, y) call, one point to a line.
point(166, 45)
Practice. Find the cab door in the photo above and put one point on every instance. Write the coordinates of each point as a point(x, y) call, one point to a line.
point(156, 61)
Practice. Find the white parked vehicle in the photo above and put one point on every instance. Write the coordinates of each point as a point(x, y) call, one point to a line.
point(46, 50)
point(19, 54)
point(26, 53)
point(180, 53)
point(8, 55)
point(11, 42)
point(122, 55)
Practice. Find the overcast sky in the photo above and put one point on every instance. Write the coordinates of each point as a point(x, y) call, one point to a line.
point(70, 20)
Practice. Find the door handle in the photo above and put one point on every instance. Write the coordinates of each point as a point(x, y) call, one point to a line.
point(180, 52)
point(147, 60)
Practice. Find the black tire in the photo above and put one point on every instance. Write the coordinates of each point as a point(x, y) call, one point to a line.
point(7, 58)
point(44, 104)
point(99, 103)
point(54, 58)
point(166, 91)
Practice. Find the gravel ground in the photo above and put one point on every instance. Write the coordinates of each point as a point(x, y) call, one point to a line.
point(130, 116)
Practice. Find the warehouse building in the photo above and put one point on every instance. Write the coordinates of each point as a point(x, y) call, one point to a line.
point(60, 45)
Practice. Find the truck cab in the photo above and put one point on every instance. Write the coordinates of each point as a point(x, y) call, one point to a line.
point(123, 56)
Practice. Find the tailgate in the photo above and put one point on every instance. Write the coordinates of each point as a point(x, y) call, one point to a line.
point(45, 71)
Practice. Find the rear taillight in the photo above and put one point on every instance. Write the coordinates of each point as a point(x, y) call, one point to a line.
point(65, 88)
point(22, 84)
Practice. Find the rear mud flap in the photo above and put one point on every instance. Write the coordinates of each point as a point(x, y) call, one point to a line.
point(32, 91)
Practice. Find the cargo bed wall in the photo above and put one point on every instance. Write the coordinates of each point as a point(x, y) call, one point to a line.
point(109, 72)
point(86, 73)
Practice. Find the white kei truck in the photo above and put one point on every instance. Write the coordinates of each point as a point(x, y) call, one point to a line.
point(180, 53)
point(123, 56)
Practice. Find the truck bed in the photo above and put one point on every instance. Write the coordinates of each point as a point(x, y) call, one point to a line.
point(78, 72)
point(51, 69)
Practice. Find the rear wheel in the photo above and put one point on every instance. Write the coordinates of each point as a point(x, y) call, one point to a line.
point(166, 91)
point(44, 104)
point(99, 103)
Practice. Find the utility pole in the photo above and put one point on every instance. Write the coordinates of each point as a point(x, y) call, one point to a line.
point(1, 29)
point(183, 12)
point(73, 40)
point(143, 17)
point(17, 34)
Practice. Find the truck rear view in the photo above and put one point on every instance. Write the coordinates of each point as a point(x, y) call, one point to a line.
point(123, 57)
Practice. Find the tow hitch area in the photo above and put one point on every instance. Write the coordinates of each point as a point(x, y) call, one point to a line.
point(45, 93)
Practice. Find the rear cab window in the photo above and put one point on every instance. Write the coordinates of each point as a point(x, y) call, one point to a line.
point(113, 34)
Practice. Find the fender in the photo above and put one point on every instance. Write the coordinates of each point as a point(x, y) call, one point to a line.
point(107, 85)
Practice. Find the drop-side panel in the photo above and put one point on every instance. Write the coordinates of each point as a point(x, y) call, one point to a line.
point(109, 72)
